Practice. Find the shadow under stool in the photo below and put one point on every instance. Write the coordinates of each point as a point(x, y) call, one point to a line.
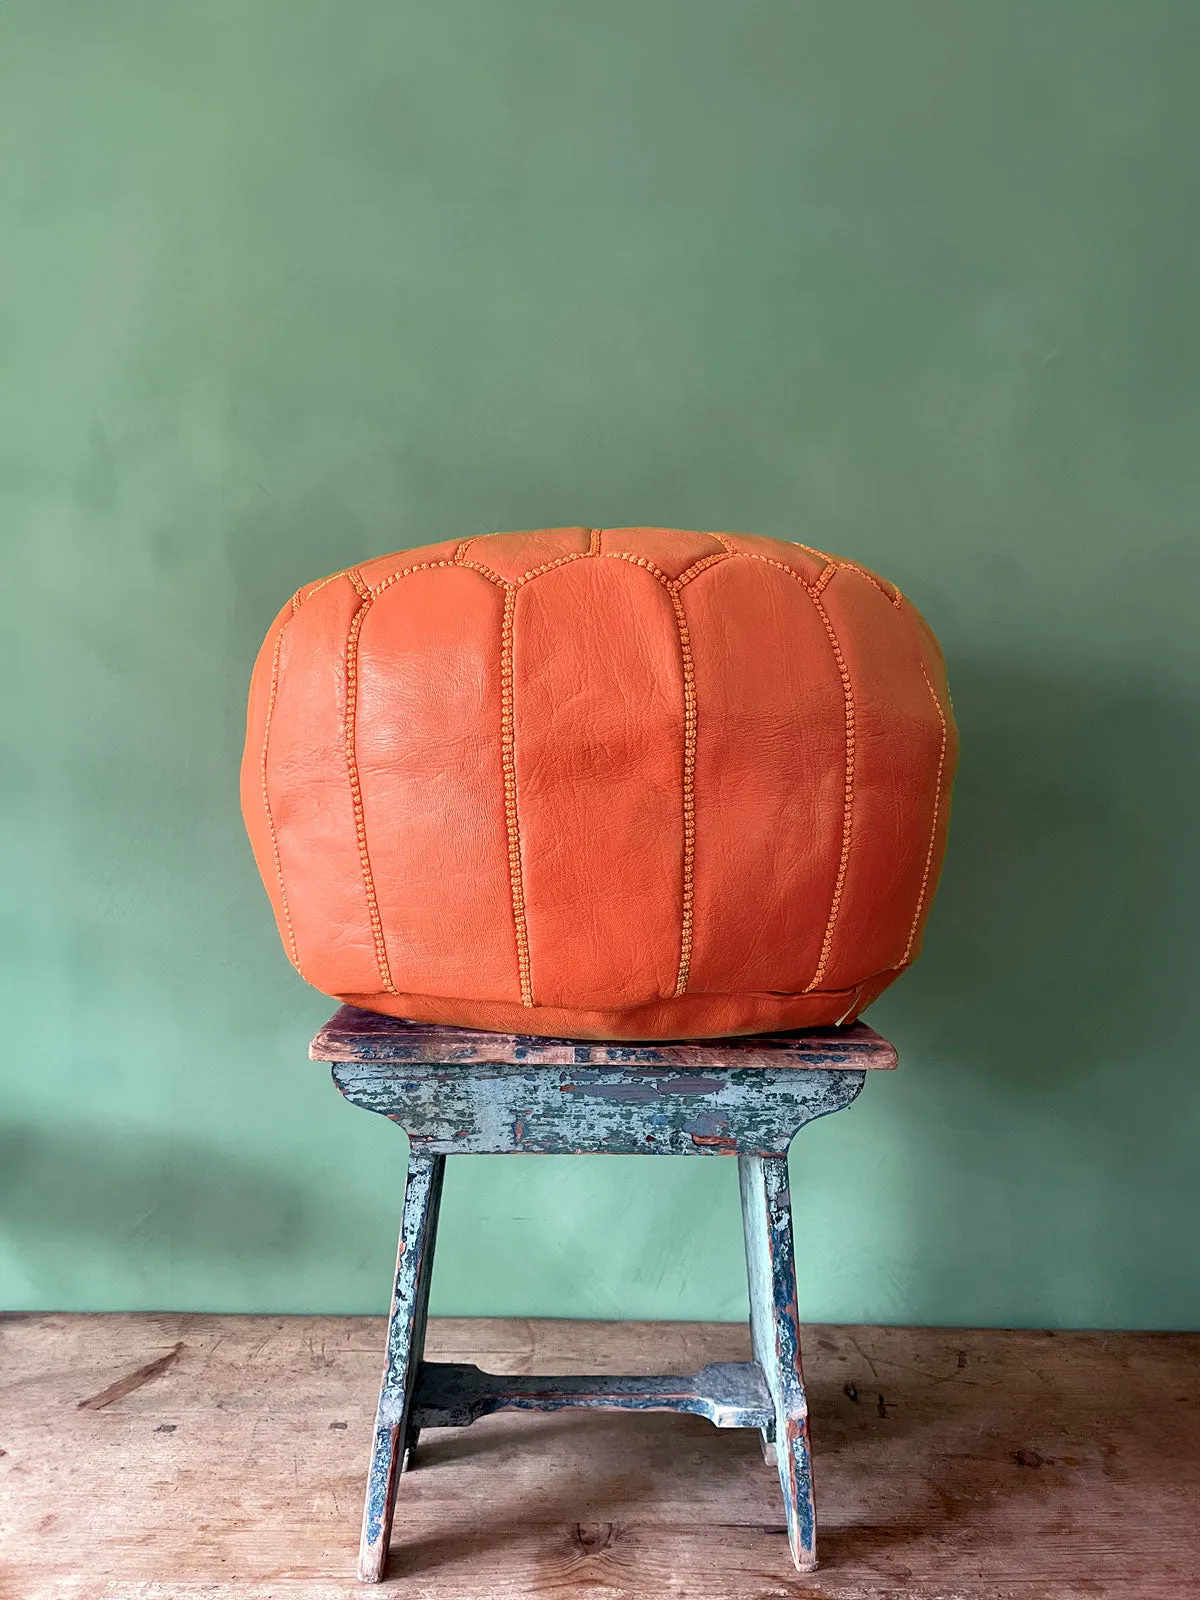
point(456, 1091)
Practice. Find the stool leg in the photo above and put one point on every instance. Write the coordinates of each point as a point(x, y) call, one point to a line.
point(405, 1345)
point(775, 1333)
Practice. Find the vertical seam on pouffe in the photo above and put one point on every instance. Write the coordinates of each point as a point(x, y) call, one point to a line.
point(511, 815)
point(937, 806)
point(287, 915)
point(594, 541)
point(689, 792)
point(360, 824)
point(848, 806)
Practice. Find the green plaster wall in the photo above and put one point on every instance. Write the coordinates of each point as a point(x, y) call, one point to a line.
point(287, 283)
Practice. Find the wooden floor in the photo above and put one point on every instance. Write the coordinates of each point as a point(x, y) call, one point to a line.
point(950, 1466)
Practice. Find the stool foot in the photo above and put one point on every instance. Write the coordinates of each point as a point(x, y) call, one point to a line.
point(394, 1438)
point(775, 1334)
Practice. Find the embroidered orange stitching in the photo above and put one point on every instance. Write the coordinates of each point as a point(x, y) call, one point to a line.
point(697, 568)
point(511, 816)
point(287, 915)
point(753, 555)
point(361, 587)
point(485, 572)
point(876, 583)
point(420, 566)
point(819, 586)
point(460, 560)
point(360, 825)
point(830, 561)
point(689, 793)
point(594, 541)
point(637, 561)
point(848, 804)
point(549, 566)
point(937, 802)
point(297, 602)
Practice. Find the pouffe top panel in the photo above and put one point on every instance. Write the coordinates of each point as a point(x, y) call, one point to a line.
point(601, 783)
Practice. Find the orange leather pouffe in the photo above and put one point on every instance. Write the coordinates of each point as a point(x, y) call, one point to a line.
point(601, 783)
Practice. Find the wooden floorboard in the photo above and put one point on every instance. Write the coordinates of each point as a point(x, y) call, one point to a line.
point(950, 1466)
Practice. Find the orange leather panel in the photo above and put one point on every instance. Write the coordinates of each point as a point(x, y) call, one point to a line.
point(637, 783)
point(898, 772)
point(432, 779)
point(770, 762)
point(311, 799)
point(598, 712)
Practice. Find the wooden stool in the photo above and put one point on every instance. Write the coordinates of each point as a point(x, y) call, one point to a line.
point(456, 1091)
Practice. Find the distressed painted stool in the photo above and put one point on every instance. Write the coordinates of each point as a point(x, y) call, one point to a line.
point(456, 1091)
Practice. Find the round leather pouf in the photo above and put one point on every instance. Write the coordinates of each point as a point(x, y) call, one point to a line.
point(621, 783)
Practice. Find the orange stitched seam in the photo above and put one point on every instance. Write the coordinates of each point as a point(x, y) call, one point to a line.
point(420, 566)
point(594, 541)
point(586, 555)
point(689, 794)
point(830, 561)
point(753, 555)
point(937, 803)
point(297, 602)
point(485, 572)
point(511, 816)
point(549, 566)
point(819, 586)
point(360, 825)
point(361, 587)
point(848, 804)
point(850, 566)
point(637, 561)
point(287, 915)
point(460, 560)
point(875, 582)
point(698, 567)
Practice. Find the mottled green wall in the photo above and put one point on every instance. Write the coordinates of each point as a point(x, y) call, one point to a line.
point(287, 283)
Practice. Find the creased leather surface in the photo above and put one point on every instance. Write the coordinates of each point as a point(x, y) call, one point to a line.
point(630, 783)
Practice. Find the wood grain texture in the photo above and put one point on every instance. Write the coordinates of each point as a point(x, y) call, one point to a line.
point(352, 1034)
point(953, 1466)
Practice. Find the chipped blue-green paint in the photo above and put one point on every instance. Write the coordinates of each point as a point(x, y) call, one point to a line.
point(459, 1092)
point(405, 1344)
point(775, 1338)
point(473, 1093)
point(635, 1110)
point(731, 1394)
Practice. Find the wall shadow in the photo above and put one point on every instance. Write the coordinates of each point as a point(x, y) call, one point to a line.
point(157, 1197)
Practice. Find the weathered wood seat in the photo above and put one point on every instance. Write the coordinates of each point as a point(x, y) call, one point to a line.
point(457, 1091)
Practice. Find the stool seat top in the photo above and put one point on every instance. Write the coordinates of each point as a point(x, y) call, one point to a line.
point(352, 1034)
